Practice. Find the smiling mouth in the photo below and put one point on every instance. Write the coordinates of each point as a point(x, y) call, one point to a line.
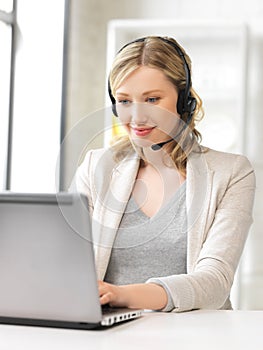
point(143, 131)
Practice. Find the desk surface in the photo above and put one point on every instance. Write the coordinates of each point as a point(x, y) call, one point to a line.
point(190, 330)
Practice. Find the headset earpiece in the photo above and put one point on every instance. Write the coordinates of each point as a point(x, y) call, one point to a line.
point(114, 110)
point(113, 101)
point(180, 103)
point(186, 105)
point(191, 104)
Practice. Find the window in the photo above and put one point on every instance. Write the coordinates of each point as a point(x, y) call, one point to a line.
point(6, 5)
point(37, 89)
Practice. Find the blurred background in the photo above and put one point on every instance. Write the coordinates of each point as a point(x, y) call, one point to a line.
point(54, 63)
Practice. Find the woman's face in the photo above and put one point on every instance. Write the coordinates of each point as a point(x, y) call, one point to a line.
point(146, 105)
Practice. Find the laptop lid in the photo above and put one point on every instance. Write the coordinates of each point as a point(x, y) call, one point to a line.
point(47, 269)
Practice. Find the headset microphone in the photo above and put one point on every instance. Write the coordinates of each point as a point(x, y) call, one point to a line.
point(157, 146)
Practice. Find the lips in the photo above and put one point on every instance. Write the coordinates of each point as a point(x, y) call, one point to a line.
point(142, 131)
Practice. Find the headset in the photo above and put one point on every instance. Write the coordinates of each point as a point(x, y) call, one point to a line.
point(186, 103)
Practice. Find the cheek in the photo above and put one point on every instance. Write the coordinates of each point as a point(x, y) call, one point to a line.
point(126, 128)
point(167, 121)
point(124, 114)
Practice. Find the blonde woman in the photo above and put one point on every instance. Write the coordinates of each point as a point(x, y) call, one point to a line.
point(170, 217)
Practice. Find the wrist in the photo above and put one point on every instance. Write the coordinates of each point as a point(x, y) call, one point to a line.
point(145, 296)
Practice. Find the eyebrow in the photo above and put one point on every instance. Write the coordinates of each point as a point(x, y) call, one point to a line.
point(145, 93)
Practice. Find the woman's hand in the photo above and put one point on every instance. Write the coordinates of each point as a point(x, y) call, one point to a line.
point(111, 294)
point(144, 296)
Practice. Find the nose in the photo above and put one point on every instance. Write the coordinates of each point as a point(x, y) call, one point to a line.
point(139, 114)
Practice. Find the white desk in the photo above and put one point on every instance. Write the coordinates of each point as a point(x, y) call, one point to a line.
point(213, 330)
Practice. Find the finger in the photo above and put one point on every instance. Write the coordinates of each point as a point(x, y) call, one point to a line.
point(103, 288)
point(106, 298)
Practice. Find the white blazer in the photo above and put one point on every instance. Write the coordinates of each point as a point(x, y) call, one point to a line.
point(219, 200)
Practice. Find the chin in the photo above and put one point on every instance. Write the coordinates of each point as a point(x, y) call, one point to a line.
point(142, 143)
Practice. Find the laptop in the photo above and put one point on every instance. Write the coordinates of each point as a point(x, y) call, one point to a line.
point(47, 267)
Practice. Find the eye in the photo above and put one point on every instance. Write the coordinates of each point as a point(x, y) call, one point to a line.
point(124, 102)
point(152, 99)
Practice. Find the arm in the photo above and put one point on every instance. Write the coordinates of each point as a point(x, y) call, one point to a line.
point(209, 279)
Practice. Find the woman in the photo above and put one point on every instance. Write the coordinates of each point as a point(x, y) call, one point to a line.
point(170, 217)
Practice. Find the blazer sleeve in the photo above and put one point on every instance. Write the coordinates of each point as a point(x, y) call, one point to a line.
point(208, 285)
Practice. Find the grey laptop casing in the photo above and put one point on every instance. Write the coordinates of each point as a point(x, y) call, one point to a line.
point(47, 269)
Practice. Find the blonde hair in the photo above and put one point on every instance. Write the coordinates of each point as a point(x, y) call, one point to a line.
point(156, 53)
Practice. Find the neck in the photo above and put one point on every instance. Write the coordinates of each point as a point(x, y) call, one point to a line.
point(157, 158)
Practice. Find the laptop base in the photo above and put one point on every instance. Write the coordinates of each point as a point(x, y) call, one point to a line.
point(49, 323)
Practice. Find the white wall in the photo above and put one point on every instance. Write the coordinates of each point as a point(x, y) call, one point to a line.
point(86, 89)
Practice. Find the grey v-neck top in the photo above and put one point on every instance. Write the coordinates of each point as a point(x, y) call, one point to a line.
point(150, 247)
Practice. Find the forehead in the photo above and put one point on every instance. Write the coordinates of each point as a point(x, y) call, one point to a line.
point(143, 77)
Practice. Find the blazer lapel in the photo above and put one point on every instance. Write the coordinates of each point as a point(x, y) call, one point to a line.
point(109, 215)
point(198, 193)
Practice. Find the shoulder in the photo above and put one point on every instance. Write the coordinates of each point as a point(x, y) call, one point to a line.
point(226, 164)
point(96, 164)
point(100, 155)
point(223, 160)
point(103, 160)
